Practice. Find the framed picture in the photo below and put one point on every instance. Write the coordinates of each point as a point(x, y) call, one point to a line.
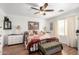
point(51, 26)
point(7, 23)
point(33, 25)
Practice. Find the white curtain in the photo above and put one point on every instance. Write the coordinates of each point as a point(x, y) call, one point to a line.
point(69, 36)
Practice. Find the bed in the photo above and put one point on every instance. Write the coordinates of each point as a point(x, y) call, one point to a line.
point(32, 45)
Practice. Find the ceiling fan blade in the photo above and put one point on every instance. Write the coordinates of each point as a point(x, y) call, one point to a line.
point(36, 12)
point(45, 5)
point(32, 4)
point(34, 8)
point(50, 10)
point(41, 8)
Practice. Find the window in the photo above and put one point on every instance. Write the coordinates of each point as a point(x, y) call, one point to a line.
point(62, 27)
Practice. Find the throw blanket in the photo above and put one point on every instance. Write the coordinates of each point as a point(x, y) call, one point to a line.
point(33, 41)
point(36, 41)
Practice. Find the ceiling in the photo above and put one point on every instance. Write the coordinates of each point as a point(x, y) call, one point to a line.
point(23, 9)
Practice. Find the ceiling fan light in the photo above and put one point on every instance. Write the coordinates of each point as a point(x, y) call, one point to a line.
point(44, 13)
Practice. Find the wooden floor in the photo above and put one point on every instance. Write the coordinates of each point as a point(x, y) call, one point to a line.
point(20, 50)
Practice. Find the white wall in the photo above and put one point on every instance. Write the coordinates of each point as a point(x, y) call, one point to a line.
point(70, 38)
point(2, 13)
point(1, 33)
point(65, 16)
point(77, 22)
point(23, 22)
point(1, 29)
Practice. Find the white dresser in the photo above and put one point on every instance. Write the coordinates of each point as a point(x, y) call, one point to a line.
point(1, 34)
point(0, 44)
point(15, 39)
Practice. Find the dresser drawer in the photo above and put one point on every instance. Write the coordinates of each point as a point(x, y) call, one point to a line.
point(15, 39)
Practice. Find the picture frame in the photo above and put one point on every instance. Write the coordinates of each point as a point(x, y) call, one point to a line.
point(33, 25)
point(7, 23)
point(51, 26)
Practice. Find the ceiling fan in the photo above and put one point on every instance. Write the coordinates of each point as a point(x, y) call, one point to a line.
point(43, 9)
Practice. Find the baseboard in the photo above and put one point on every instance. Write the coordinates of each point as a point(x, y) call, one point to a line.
point(13, 44)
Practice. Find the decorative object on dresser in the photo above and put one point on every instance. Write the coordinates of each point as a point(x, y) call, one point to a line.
point(33, 25)
point(7, 23)
point(15, 39)
point(18, 29)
